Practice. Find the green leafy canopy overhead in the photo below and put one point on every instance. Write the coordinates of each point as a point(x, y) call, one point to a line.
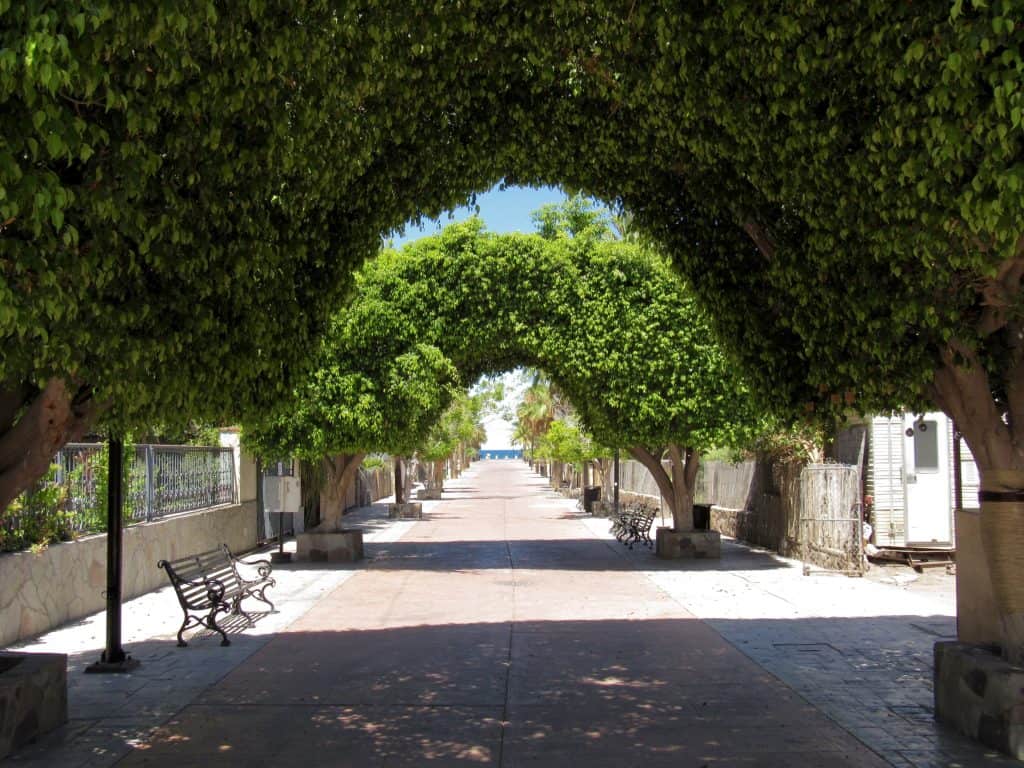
point(185, 191)
point(611, 324)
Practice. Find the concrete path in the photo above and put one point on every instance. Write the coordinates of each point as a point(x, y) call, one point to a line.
point(506, 630)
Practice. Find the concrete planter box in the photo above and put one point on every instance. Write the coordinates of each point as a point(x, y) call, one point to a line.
point(602, 508)
point(671, 544)
point(410, 510)
point(33, 697)
point(981, 695)
point(344, 546)
point(429, 494)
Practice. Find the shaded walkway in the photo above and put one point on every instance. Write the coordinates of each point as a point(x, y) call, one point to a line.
point(527, 644)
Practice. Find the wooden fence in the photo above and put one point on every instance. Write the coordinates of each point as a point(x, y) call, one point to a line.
point(830, 516)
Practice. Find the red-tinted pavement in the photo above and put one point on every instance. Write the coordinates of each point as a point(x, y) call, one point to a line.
point(499, 632)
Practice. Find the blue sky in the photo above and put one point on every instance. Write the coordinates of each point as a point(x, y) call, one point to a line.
point(505, 210)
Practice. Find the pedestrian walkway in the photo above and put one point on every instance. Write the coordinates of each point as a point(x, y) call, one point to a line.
point(859, 650)
point(507, 629)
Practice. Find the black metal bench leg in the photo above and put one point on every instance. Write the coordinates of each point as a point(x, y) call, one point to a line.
point(189, 621)
point(211, 623)
point(236, 610)
point(261, 596)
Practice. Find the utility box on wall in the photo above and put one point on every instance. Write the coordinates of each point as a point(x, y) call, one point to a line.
point(282, 493)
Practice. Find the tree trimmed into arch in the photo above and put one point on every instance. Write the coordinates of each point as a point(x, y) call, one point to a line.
point(849, 174)
point(610, 324)
point(362, 400)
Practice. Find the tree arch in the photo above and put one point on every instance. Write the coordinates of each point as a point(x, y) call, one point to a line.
point(609, 323)
point(176, 181)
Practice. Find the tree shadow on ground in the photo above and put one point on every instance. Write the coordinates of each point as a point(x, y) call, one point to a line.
point(604, 693)
point(662, 692)
point(544, 554)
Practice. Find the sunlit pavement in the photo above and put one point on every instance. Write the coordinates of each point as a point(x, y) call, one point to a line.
point(507, 629)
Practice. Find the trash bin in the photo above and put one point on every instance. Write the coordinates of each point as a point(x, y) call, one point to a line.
point(591, 493)
point(702, 517)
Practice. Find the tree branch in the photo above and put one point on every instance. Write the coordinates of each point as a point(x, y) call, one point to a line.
point(965, 393)
point(14, 395)
point(692, 464)
point(761, 239)
point(52, 419)
point(999, 294)
point(653, 464)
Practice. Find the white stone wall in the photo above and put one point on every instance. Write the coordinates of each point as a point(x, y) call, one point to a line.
point(67, 581)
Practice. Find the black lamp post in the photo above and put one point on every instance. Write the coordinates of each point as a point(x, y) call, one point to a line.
point(113, 658)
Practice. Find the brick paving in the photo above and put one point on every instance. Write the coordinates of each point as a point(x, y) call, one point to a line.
point(858, 649)
point(505, 629)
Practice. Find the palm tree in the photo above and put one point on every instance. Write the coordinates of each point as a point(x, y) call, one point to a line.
point(535, 413)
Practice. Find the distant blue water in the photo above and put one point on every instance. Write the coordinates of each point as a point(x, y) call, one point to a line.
point(501, 453)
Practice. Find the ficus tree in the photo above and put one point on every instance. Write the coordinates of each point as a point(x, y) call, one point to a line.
point(184, 192)
point(649, 374)
point(567, 443)
point(610, 323)
point(459, 430)
point(362, 397)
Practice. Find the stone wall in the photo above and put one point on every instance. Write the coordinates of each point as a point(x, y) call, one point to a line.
point(66, 581)
point(770, 496)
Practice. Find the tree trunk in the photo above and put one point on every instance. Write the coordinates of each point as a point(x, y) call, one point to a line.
point(399, 480)
point(339, 472)
point(311, 478)
point(962, 387)
point(676, 485)
point(556, 475)
point(437, 474)
point(49, 419)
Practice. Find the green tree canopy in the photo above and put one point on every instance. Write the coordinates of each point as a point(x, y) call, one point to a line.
point(566, 442)
point(185, 190)
point(612, 325)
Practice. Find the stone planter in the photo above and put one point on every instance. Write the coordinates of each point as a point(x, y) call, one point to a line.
point(410, 510)
point(981, 695)
point(344, 546)
point(602, 508)
point(429, 494)
point(671, 544)
point(33, 697)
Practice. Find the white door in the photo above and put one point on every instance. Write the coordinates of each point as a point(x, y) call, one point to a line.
point(926, 464)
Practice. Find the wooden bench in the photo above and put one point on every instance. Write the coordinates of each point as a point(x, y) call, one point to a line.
point(210, 584)
point(633, 526)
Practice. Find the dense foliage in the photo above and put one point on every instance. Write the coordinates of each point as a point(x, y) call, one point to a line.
point(183, 190)
point(615, 329)
point(566, 442)
point(177, 182)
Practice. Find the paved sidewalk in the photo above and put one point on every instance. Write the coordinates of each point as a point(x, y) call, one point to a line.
point(858, 649)
point(507, 629)
point(110, 715)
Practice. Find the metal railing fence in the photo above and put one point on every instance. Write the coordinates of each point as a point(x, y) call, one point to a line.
point(159, 480)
